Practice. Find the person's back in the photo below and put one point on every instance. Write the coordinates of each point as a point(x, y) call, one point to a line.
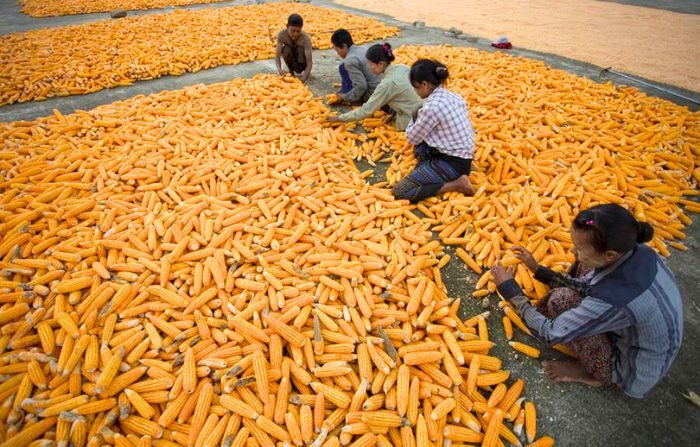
point(404, 100)
point(645, 288)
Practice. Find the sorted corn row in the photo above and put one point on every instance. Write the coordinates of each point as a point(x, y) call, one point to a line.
point(48, 8)
point(549, 144)
point(74, 60)
point(207, 267)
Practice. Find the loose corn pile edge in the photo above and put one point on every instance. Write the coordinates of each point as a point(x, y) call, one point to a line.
point(549, 144)
point(207, 267)
point(48, 8)
point(81, 59)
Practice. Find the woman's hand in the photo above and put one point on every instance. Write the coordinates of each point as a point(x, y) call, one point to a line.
point(524, 255)
point(332, 119)
point(500, 274)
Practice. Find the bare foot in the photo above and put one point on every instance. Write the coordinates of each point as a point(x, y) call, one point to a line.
point(568, 371)
point(461, 185)
point(465, 185)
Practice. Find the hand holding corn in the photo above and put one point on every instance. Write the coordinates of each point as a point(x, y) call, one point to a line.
point(501, 274)
point(524, 255)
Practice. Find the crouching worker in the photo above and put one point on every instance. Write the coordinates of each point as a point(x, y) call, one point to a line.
point(442, 135)
point(394, 93)
point(358, 81)
point(620, 309)
point(294, 46)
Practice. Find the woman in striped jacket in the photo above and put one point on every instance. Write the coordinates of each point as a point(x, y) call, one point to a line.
point(620, 310)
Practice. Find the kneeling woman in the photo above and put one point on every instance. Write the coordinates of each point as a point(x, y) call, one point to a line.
point(394, 93)
point(442, 135)
point(620, 310)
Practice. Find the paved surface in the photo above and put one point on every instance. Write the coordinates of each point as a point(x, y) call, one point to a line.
point(575, 415)
point(682, 6)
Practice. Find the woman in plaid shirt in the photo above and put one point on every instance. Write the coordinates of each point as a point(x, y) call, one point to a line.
point(443, 137)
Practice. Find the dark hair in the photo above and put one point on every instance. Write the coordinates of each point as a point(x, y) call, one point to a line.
point(380, 52)
point(342, 37)
point(295, 20)
point(611, 227)
point(430, 71)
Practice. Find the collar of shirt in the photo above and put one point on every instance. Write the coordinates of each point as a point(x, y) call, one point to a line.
point(600, 274)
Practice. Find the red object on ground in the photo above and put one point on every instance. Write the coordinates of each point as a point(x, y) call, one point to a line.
point(502, 46)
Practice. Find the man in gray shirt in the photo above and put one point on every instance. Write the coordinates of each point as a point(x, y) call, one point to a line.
point(358, 81)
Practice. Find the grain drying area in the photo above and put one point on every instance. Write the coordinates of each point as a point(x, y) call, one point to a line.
point(192, 256)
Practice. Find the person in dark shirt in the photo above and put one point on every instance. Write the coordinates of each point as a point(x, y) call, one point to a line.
point(620, 310)
point(294, 46)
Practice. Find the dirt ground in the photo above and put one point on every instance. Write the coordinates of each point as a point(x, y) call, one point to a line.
point(653, 43)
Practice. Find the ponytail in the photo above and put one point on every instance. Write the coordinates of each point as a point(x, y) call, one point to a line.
point(645, 232)
point(430, 71)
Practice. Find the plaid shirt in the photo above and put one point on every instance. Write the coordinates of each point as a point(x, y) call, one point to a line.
point(443, 123)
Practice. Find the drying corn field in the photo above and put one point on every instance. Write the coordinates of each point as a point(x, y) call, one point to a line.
point(80, 59)
point(48, 8)
point(219, 266)
point(208, 265)
point(549, 144)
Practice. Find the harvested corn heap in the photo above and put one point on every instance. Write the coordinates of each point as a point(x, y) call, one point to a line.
point(548, 144)
point(48, 8)
point(74, 60)
point(205, 266)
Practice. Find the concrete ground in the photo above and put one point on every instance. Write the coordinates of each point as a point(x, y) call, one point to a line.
point(682, 6)
point(574, 415)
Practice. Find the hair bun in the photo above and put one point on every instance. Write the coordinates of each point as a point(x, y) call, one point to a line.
point(441, 72)
point(645, 232)
point(388, 51)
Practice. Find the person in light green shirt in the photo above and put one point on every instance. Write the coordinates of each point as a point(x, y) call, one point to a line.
point(394, 94)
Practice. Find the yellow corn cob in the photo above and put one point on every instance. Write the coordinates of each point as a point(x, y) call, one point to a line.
point(490, 379)
point(525, 349)
point(497, 395)
point(144, 409)
point(238, 407)
point(306, 423)
point(457, 433)
point(382, 419)
point(507, 327)
point(491, 435)
point(530, 421)
point(293, 428)
point(544, 441)
point(272, 429)
point(67, 405)
point(419, 358)
point(142, 426)
point(473, 374)
point(97, 406)
point(564, 350)
point(30, 433)
point(337, 397)
point(71, 285)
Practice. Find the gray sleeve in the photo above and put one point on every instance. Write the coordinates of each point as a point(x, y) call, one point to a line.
point(592, 316)
point(384, 92)
point(359, 83)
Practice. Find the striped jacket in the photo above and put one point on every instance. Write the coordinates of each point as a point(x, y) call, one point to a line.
point(635, 301)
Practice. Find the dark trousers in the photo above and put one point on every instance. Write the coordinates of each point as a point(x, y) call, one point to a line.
point(295, 58)
point(433, 169)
